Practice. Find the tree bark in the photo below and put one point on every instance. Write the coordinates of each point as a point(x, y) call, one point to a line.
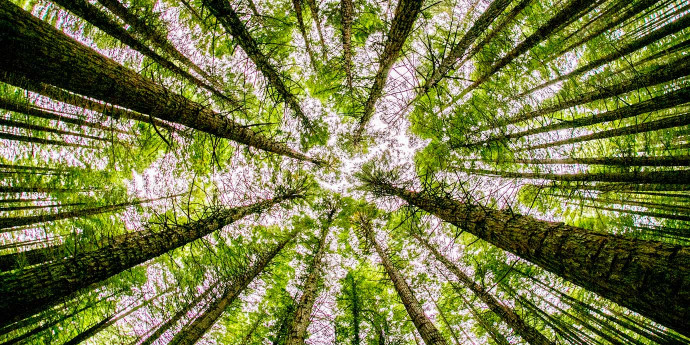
point(458, 51)
point(18, 124)
point(35, 140)
point(314, 8)
point(297, 6)
point(669, 29)
point(32, 290)
point(527, 332)
point(302, 315)
point(655, 177)
point(658, 161)
point(39, 52)
point(404, 17)
point(424, 326)
point(191, 333)
point(227, 16)
point(346, 14)
point(665, 123)
point(99, 19)
point(641, 275)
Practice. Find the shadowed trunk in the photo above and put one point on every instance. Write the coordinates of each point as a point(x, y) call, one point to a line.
point(346, 14)
point(401, 27)
point(640, 275)
point(39, 52)
point(34, 289)
point(191, 333)
point(656, 177)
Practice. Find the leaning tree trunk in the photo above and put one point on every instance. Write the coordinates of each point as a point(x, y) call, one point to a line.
point(99, 19)
point(11, 222)
point(191, 333)
point(29, 291)
point(35, 140)
point(227, 16)
point(655, 177)
point(527, 332)
point(39, 52)
point(401, 27)
point(346, 14)
point(641, 275)
point(658, 161)
point(302, 315)
point(425, 327)
point(297, 6)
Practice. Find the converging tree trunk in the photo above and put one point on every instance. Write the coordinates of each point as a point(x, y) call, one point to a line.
point(401, 27)
point(229, 292)
point(39, 52)
point(527, 332)
point(641, 275)
point(425, 327)
point(34, 289)
point(302, 315)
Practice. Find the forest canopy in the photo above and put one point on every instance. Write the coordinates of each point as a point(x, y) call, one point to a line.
point(345, 172)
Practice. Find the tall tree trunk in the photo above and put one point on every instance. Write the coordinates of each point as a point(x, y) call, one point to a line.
point(657, 177)
point(570, 10)
point(665, 123)
point(35, 140)
point(314, 8)
point(458, 51)
point(191, 333)
point(18, 124)
point(39, 52)
point(498, 337)
point(669, 29)
point(660, 215)
point(179, 315)
point(99, 19)
point(640, 275)
point(445, 321)
point(424, 326)
point(31, 257)
point(657, 103)
point(34, 289)
point(527, 332)
point(657, 75)
point(297, 6)
point(356, 309)
point(11, 222)
point(347, 9)
point(155, 37)
point(227, 16)
point(658, 161)
point(302, 315)
point(401, 27)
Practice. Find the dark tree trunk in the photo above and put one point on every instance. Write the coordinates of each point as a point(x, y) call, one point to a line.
point(527, 332)
point(659, 161)
point(347, 9)
point(39, 52)
point(656, 177)
point(32, 290)
point(297, 6)
point(31, 257)
point(356, 307)
point(18, 124)
point(640, 275)
point(401, 27)
point(191, 333)
point(302, 315)
point(227, 16)
point(35, 140)
point(424, 326)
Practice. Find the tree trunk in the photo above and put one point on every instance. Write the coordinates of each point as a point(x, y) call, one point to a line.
point(35, 140)
point(527, 332)
point(405, 14)
point(347, 13)
point(250, 334)
point(32, 290)
point(155, 37)
point(99, 19)
point(227, 16)
point(458, 51)
point(297, 6)
point(424, 326)
point(669, 29)
point(657, 103)
point(657, 177)
point(498, 337)
point(39, 52)
point(191, 333)
point(31, 257)
point(657, 75)
point(659, 161)
point(11, 222)
point(665, 123)
point(640, 275)
point(356, 309)
point(314, 8)
point(570, 10)
point(28, 126)
point(179, 315)
point(660, 215)
point(302, 315)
